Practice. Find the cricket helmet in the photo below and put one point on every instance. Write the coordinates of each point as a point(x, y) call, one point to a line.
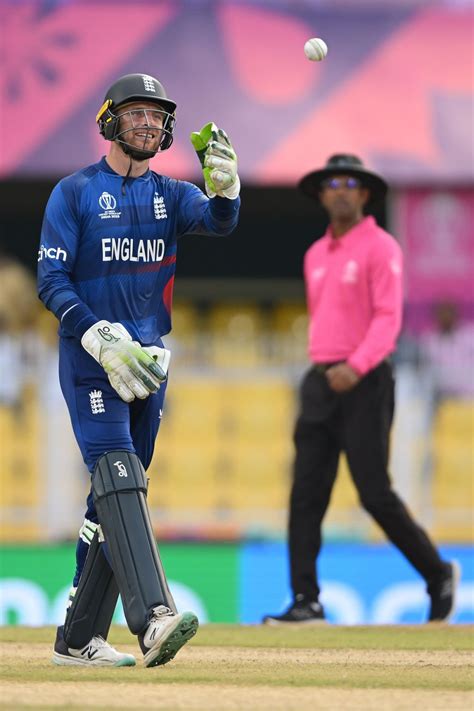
point(127, 89)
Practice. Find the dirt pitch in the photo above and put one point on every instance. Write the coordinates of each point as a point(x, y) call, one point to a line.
point(257, 669)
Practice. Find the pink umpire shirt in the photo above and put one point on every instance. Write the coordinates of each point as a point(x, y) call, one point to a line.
point(354, 295)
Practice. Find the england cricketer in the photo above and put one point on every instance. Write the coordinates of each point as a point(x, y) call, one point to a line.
point(106, 266)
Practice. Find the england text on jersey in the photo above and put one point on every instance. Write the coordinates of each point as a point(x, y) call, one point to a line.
point(128, 249)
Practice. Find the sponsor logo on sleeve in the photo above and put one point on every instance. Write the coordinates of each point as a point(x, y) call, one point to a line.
point(51, 253)
point(395, 266)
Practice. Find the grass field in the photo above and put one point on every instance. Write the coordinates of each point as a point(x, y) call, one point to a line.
point(255, 668)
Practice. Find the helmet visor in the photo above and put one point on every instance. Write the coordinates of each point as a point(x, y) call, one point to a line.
point(144, 129)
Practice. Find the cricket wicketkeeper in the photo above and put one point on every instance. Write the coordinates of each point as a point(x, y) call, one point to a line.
point(106, 267)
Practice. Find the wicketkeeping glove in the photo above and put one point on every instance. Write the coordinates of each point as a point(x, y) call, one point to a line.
point(133, 371)
point(218, 161)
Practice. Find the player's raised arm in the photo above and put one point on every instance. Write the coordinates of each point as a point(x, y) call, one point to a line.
point(218, 160)
point(218, 213)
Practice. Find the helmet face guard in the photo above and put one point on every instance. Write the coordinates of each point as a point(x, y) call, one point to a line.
point(154, 128)
point(119, 125)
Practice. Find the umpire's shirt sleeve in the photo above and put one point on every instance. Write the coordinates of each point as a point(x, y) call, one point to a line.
point(386, 292)
point(60, 240)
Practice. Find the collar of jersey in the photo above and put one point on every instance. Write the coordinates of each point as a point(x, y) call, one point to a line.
point(359, 231)
point(105, 167)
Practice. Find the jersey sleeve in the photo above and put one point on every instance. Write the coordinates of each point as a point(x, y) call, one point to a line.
point(198, 214)
point(386, 290)
point(59, 243)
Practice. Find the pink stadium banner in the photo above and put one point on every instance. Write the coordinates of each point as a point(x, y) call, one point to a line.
point(436, 229)
point(396, 86)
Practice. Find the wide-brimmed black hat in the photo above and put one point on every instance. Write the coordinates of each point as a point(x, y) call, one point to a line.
point(344, 164)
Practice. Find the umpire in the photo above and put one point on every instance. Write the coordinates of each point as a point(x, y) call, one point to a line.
point(353, 278)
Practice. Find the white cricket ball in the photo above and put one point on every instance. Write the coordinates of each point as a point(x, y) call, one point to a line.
point(315, 49)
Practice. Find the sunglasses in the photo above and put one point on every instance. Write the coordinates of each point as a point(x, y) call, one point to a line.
point(335, 183)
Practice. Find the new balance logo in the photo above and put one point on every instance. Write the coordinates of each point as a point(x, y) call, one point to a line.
point(89, 652)
point(159, 207)
point(97, 403)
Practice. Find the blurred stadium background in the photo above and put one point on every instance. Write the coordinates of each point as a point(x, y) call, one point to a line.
point(397, 89)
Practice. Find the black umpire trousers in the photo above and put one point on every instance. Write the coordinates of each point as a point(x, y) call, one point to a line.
point(357, 422)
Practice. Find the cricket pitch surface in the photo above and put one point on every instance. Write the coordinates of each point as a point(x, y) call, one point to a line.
point(254, 668)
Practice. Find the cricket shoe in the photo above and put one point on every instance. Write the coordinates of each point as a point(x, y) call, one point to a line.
point(98, 653)
point(301, 612)
point(443, 593)
point(166, 633)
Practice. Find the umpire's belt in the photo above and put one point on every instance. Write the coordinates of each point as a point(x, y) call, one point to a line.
point(324, 367)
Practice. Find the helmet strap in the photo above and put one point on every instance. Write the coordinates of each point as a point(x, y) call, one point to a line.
point(135, 153)
point(127, 175)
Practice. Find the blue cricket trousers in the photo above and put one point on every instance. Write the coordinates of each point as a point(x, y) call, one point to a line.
point(101, 420)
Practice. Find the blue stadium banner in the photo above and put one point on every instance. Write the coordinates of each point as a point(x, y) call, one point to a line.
point(361, 584)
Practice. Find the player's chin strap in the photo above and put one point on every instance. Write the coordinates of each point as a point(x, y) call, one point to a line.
point(136, 153)
point(124, 181)
point(133, 154)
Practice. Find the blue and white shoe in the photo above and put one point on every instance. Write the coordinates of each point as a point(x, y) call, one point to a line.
point(98, 653)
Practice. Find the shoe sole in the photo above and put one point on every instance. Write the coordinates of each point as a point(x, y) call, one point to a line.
point(456, 580)
point(64, 661)
point(177, 636)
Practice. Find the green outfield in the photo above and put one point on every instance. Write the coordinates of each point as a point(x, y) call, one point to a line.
point(232, 667)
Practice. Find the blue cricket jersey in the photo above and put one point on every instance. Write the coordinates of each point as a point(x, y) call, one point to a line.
point(108, 255)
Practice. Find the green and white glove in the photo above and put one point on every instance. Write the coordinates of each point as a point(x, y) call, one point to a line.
point(218, 161)
point(133, 371)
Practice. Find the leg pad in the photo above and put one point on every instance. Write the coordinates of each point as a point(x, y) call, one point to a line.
point(119, 488)
point(93, 606)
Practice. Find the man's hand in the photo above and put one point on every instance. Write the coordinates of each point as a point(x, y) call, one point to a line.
point(132, 371)
point(218, 161)
point(342, 377)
